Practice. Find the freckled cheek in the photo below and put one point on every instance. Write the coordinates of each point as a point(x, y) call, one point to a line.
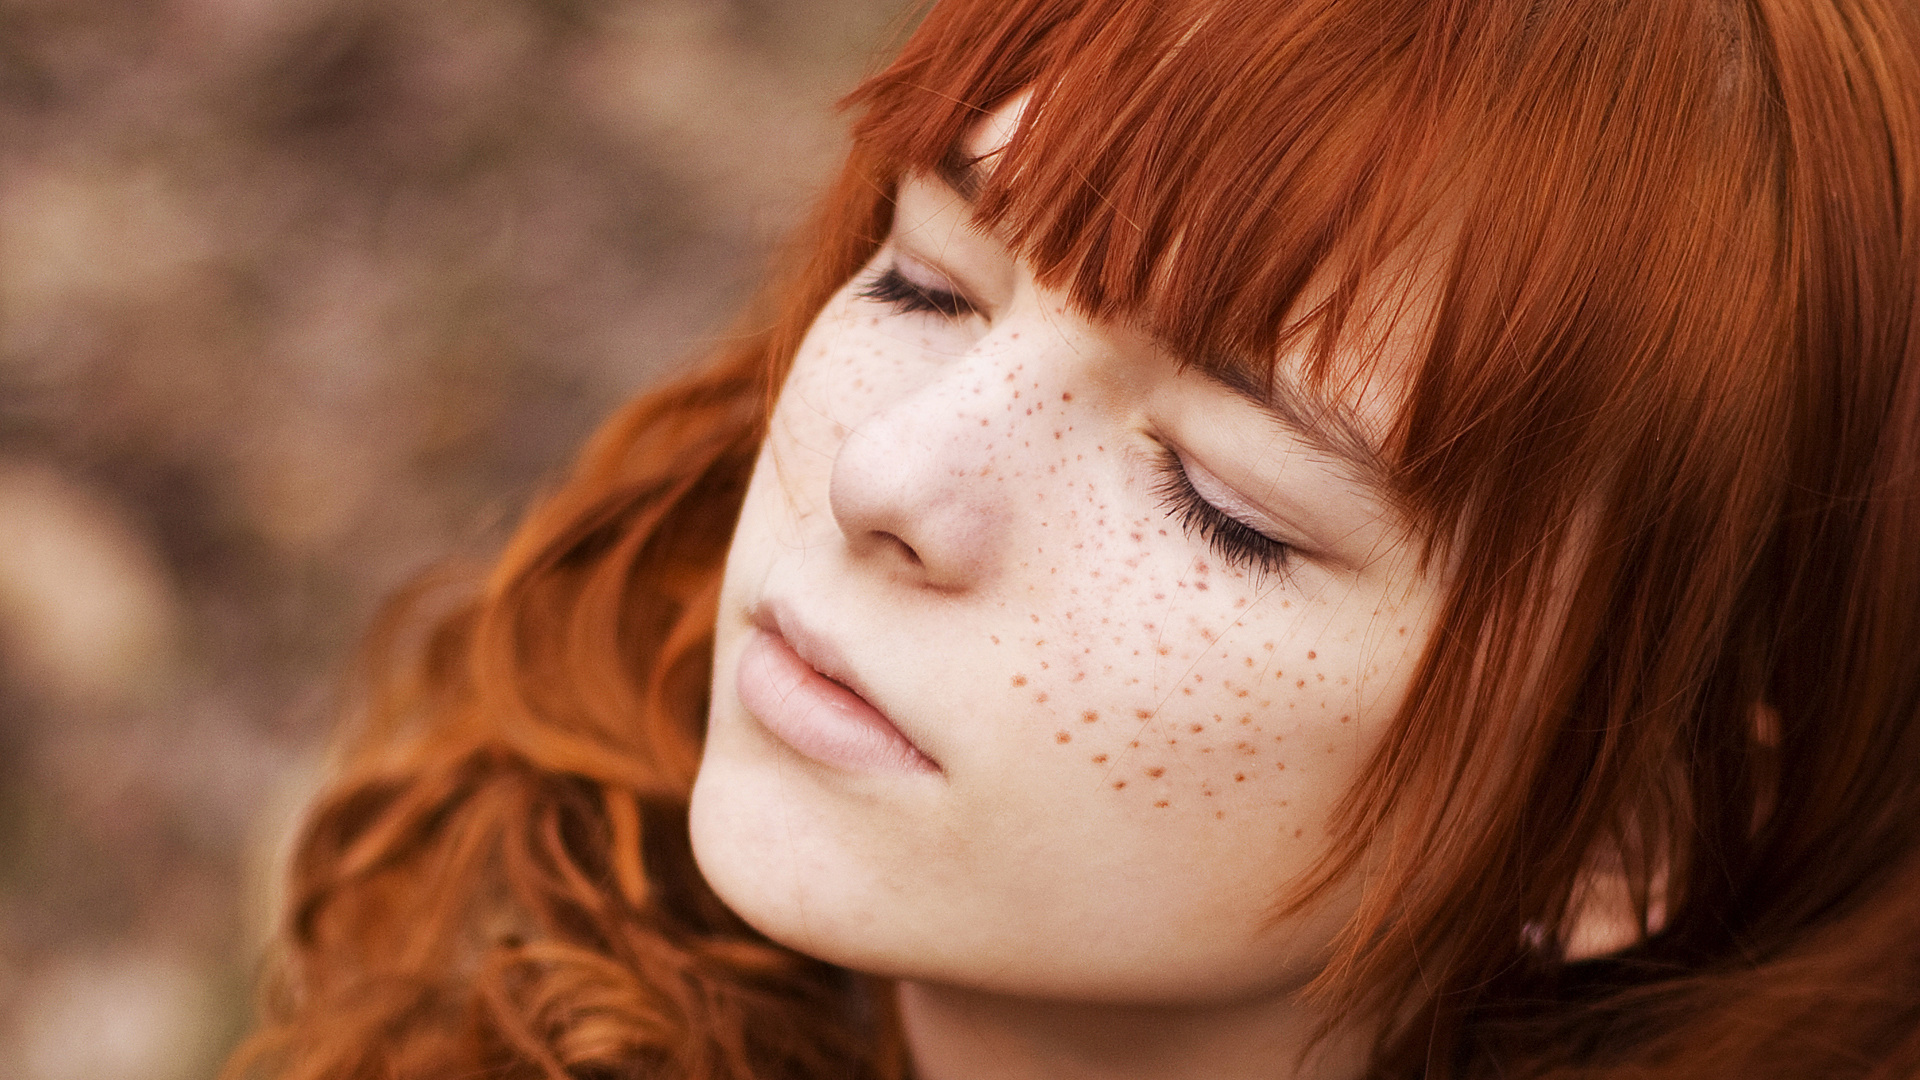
point(1152, 689)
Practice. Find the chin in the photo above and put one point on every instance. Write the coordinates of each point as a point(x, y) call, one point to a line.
point(771, 857)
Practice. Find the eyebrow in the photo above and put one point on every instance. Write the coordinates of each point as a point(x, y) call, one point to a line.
point(964, 173)
point(1328, 427)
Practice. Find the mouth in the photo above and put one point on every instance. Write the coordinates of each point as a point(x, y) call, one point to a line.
point(780, 680)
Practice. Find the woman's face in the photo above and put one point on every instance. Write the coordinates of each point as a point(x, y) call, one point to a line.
point(1117, 639)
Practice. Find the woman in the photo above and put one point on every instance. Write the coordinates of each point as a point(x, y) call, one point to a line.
point(1325, 538)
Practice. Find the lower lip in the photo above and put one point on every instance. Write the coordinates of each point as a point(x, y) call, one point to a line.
point(817, 716)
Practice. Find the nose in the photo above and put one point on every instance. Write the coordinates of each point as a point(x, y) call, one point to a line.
point(915, 485)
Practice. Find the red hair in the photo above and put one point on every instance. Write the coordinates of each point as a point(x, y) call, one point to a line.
point(1663, 434)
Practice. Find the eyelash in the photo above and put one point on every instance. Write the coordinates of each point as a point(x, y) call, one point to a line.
point(1234, 542)
point(891, 288)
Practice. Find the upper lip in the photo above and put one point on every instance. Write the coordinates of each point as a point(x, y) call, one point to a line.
point(818, 651)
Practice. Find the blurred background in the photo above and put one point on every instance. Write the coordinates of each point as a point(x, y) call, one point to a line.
point(298, 298)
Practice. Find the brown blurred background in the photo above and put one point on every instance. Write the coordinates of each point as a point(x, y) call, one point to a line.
point(298, 297)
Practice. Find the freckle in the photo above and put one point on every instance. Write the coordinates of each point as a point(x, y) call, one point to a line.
point(1321, 678)
point(1156, 772)
point(1135, 744)
point(1279, 766)
point(1243, 693)
point(1301, 683)
point(1246, 718)
point(1197, 728)
point(1019, 680)
point(1249, 661)
point(1200, 586)
point(1068, 396)
point(1161, 803)
point(1268, 646)
point(1298, 833)
point(1099, 759)
point(1239, 778)
point(1311, 655)
point(1143, 714)
point(1118, 784)
point(996, 640)
point(1219, 813)
point(1403, 631)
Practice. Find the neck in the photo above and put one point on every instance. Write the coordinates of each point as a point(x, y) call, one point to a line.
point(968, 1035)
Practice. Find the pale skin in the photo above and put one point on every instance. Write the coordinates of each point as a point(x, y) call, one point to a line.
point(1120, 737)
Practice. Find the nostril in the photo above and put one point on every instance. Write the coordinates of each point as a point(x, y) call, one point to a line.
point(905, 549)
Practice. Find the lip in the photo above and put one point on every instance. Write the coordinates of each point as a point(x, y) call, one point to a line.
point(782, 677)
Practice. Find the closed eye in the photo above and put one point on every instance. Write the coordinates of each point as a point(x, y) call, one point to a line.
point(1234, 542)
point(894, 289)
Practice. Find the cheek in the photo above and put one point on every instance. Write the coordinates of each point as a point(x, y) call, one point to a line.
point(1175, 686)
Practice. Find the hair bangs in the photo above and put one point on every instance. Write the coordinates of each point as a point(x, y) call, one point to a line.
point(1301, 183)
point(1190, 168)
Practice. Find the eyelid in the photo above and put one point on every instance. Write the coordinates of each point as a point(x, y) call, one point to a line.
point(1226, 530)
point(1223, 497)
point(925, 275)
point(909, 287)
point(929, 277)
